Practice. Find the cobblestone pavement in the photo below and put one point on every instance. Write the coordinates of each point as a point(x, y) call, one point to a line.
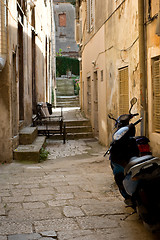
point(70, 196)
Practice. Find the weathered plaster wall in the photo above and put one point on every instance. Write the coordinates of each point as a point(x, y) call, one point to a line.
point(114, 46)
point(9, 77)
point(6, 96)
point(94, 60)
point(65, 35)
point(121, 47)
point(153, 50)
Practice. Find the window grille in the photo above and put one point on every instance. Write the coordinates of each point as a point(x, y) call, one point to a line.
point(123, 91)
point(156, 94)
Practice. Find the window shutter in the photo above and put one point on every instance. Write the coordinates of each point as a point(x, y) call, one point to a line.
point(91, 15)
point(156, 95)
point(80, 22)
point(88, 15)
point(123, 91)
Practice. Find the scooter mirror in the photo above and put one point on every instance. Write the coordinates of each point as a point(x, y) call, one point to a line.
point(110, 115)
point(132, 102)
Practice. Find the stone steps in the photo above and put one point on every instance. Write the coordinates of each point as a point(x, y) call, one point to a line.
point(68, 101)
point(73, 136)
point(65, 87)
point(68, 104)
point(29, 145)
point(76, 129)
point(27, 135)
point(83, 122)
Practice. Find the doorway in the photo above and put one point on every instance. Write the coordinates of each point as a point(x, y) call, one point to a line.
point(34, 99)
point(95, 105)
point(89, 97)
point(14, 98)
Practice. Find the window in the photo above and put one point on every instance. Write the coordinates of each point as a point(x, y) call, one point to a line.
point(123, 91)
point(62, 19)
point(156, 94)
point(101, 75)
point(90, 15)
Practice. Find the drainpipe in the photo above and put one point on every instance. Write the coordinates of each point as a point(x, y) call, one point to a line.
point(3, 34)
point(142, 66)
point(53, 54)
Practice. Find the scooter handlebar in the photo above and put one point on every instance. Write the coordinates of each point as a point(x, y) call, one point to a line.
point(134, 115)
point(138, 121)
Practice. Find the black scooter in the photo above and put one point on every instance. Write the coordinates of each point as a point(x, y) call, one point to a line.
point(136, 171)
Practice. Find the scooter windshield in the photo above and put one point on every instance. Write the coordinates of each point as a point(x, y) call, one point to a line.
point(120, 133)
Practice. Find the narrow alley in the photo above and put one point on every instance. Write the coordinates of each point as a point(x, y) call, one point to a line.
point(68, 69)
point(71, 195)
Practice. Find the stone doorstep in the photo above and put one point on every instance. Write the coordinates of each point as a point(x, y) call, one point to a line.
point(27, 135)
point(30, 152)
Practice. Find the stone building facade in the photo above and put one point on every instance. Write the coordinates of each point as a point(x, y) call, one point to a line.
point(27, 62)
point(64, 13)
point(120, 48)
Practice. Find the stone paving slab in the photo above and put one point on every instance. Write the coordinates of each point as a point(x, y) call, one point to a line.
point(56, 224)
point(8, 228)
point(3, 238)
point(74, 196)
point(109, 208)
point(50, 235)
point(32, 236)
point(67, 235)
point(31, 215)
point(97, 222)
point(70, 211)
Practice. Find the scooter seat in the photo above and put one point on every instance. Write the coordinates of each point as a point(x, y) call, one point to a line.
point(136, 160)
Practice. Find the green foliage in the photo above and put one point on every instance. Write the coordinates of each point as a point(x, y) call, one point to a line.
point(73, 2)
point(52, 96)
point(76, 86)
point(64, 64)
point(60, 52)
point(43, 154)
